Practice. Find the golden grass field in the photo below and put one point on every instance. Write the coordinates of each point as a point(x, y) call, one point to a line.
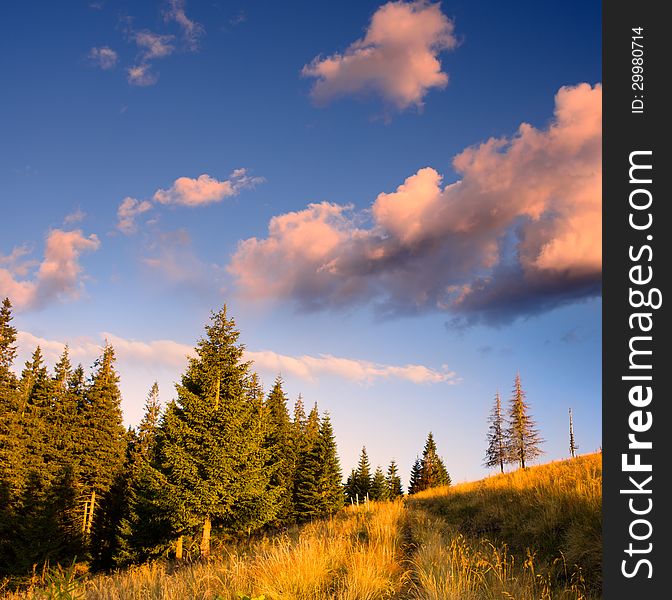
point(532, 534)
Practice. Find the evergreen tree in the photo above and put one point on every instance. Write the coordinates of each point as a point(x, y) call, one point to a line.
point(280, 448)
point(362, 483)
point(523, 438)
point(378, 490)
point(318, 489)
point(103, 446)
point(149, 426)
point(496, 453)
point(393, 481)
point(349, 487)
point(11, 476)
point(210, 447)
point(416, 474)
point(433, 472)
point(7, 349)
point(572, 442)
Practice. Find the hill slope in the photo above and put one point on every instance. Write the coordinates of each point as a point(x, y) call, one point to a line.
point(526, 535)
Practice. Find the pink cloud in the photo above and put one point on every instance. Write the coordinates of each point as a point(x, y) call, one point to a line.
point(169, 354)
point(154, 45)
point(185, 191)
point(57, 277)
point(142, 75)
point(397, 59)
point(103, 57)
point(191, 30)
point(519, 232)
point(128, 211)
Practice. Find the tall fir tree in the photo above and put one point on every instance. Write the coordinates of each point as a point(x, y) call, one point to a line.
point(393, 480)
point(523, 437)
point(416, 474)
point(7, 348)
point(280, 449)
point(318, 478)
point(11, 478)
point(362, 480)
point(210, 447)
point(379, 490)
point(496, 453)
point(103, 454)
point(433, 471)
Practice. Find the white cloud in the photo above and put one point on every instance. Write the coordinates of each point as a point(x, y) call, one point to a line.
point(128, 211)
point(397, 59)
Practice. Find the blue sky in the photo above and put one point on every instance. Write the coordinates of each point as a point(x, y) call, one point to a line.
point(398, 309)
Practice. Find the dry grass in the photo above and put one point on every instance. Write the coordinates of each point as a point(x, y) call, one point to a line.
point(355, 556)
point(531, 534)
point(527, 535)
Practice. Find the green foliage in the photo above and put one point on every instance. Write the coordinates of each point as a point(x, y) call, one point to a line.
point(393, 482)
point(523, 439)
point(379, 490)
point(210, 445)
point(496, 454)
point(280, 451)
point(428, 471)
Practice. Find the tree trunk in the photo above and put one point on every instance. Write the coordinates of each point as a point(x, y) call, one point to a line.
point(92, 505)
point(205, 539)
point(178, 547)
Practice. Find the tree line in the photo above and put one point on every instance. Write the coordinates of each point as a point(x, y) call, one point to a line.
point(222, 456)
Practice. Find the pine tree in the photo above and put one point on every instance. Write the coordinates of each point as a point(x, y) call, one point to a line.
point(103, 454)
point(11, 476)
point(210, 446)
point(149, 426)
point(330, 475)
point(7, 349)
point(496, 453)
point(378, 490)
point(279, 445)
point(362, 482)
point(433, 472)
point(416, 475)
point(393, 481)
point(572, 442)
point(522, 435)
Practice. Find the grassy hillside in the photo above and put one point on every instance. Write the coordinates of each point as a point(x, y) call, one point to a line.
point(527, 535)
point(539, 527)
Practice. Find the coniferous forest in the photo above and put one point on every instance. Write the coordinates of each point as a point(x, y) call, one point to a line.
point(224, 461)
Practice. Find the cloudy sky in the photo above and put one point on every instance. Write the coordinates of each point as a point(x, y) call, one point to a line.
point(399, 203)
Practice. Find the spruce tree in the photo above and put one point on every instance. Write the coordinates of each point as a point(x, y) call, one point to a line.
point(393, 481)
point(11, 477)
point(523, 438)
point(279, 445)
point(378, 490)
point(416, 475)
point(433, 472)
point(331, 477)
point(7, 349)
point(496, 453)
point(103, 451)
point(210, 446)
point(362, 483)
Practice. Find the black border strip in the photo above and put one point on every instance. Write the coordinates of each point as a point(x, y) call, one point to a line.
point(625, 131)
